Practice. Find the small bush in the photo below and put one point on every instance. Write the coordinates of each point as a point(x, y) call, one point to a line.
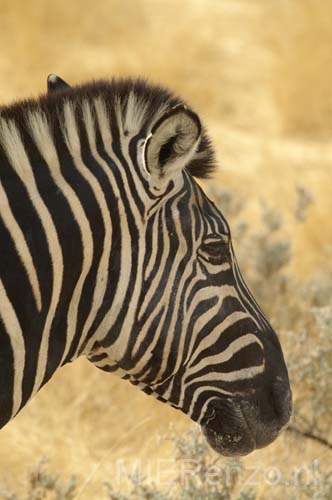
point(42, 484)
point(201, 474)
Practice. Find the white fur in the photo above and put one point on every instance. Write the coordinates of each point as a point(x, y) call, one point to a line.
point(12, 326)
point(20, 244)
point(18, 158)
point(41, 133)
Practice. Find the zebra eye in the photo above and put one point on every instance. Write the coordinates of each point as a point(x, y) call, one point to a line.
point(215, 249)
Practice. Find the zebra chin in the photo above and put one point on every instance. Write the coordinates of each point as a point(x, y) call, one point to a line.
point(234, 427)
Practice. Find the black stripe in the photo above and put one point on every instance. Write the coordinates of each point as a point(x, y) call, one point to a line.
point(6, 376)
point(227, 335)
point(247, 357)
point(70, 242)
point(116, 329)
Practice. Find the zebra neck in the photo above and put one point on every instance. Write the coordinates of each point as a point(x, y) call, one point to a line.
point(60, 231)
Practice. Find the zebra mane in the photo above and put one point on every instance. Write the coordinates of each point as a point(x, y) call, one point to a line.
point(138, 101)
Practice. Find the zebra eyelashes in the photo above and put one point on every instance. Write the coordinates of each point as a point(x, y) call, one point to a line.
point(172, 143)
point(56, 84)
point(215, 249)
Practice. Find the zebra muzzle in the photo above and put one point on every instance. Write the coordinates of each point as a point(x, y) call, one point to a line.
point(235, 426)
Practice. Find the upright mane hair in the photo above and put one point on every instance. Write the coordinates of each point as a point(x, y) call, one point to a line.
point(147, 102)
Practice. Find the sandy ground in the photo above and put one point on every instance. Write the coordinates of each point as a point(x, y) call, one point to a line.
point(234, 62)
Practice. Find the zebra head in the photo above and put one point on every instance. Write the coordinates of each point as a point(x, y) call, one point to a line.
point(183, 326)
point(180, 322)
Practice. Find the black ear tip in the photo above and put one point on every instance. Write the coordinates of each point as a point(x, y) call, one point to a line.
point(52, 82)
point(55, 83)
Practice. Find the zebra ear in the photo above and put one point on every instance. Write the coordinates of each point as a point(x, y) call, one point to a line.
point(172, 144)
point(55, 83)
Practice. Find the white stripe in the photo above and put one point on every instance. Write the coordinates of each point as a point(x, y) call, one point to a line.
point(221, 357)
point(14, 331)
point(73, 143)
point(175, 300)
point(221, 293)
point(154, 248)
point(242, 374)
point(217, 332)
point(121, 343)
point(198, 392)
point(42, 135)
point(20, 245)
point(17, 156)
point(134, 113)
point(122, 284)
point(208, 401)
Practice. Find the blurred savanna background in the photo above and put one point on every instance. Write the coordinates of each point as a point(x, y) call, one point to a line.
point(259, 73)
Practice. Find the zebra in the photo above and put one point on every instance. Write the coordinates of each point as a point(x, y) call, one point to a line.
point(111, 250)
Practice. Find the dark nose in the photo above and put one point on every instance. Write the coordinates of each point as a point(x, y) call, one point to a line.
point(240, 425)
point(268, 412)
point(274, 397)
point(282, 400)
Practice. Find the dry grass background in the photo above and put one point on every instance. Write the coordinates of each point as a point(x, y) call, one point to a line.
point(260, 75)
